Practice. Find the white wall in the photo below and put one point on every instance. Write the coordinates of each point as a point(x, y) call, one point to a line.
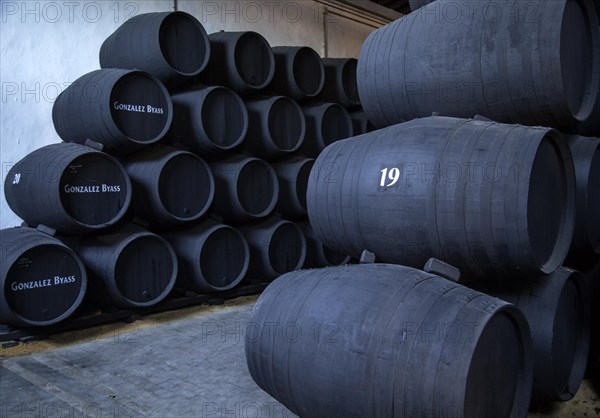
point(46, 45)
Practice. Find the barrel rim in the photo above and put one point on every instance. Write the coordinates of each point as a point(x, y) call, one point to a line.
point(129, 240)
point(274, 180)
point(166, 159)
point(580, 357)
point(525, 378)
point(298, 109)
point(163, 89)
point(271, 58)
point(591, 95)
point(348, 120)
point(204, 35)
point(243, 272)
point(306, 50)
point(279, 223)
point(567, 224)
point(29, 244)
point(127, 181)
point(211, 90)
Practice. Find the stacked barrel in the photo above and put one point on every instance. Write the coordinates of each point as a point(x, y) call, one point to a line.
point(478, 163)
point(184, 165)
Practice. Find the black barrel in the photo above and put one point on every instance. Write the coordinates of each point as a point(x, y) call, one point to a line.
point(69, 187)
point(246, 188)
point(325, 124)
point(170, 186)
point(299, 72)
point(172, 46)
point(586, 157)
point(293, 174)
point(209, 120)
point(277, 246)
point(528, 63)
point(487, 198)
point(388, 341)
point(317, 254)
point(242, 61)
point(417, 4)
point(557, 308)
point(276, 127)
point(591, 127)
point(340, 82)
point(361, 123)
point(212, 256)
point(42, 281)
point(123, 110)
point(129, 268)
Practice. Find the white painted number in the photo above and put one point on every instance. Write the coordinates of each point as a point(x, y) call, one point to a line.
point(393, 175)
point(16, 178)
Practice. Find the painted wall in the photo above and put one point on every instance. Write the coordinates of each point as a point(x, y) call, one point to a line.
point(46, 45)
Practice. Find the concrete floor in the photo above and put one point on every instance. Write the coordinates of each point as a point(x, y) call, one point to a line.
point(187, 363)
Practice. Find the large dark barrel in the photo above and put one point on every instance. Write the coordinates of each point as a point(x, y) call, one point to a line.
point(557, 308)
point(586, 157)
point(293, 174)
point(487, 198)
point(417, 4)
point(388, 341)
point(212, 256)
point(299, 72)
point(277, 246)
point(340, 82)
point(129, 268)
point(69, 187)
point(276, 127)
point(325, 124)
point(361, 123)
point(170, 186)
point(172, 46)
point(209, 120)
point(242, 61)
point(317, 254)
point(246, 188)
point(513, 62)
point(123, 110)
point(42, 281)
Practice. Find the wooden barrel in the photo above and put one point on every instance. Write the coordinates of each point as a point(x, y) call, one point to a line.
point(361, 123)
point(170, 186)
point(299, 72)
point(487, 198)
point(123, 110)
point(42, 281)
point(172, 46)
point(212, 256)
point(325, 124)
point(277, 246)
point(557, 308)
point(340, 82)
point(276, 127)
point(69, 187)
point(533, 64)
point(586, 157)
point(317, 254)
point(209, 120)
point(129, 267)
point(293, 174)
point(242, 61)
point(388, 341)
point(246, 188)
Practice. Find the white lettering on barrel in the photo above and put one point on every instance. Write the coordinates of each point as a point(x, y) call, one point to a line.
point(36, 284)
point(104, 188)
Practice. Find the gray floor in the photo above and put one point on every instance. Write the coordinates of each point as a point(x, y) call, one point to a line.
point(191, 367)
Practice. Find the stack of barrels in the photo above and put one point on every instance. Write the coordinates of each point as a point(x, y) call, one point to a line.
point(478, 162)
point(184, 165)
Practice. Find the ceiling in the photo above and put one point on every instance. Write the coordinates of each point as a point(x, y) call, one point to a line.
point(400, 6)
